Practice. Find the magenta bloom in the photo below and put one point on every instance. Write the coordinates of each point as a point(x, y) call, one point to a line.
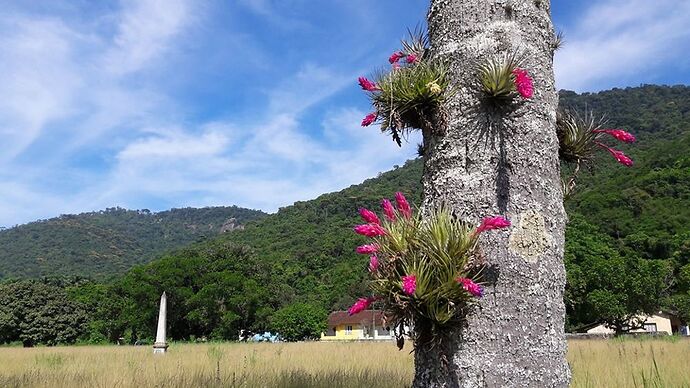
point(471, 287)
point(619, 134)
point(409, 284)
point(367, 249)
point(373, 263)
point(388, 209)
point(395, 57)
point(523, 83)
point(403, 205)
point(369, 216)
point(369, 119)
point(619, 155)
point(360, 305)
point(370, 230)
point(411, 58)
point(368, 85)
point(490, 223)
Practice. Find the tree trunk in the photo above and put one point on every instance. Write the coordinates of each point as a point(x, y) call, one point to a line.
point(488, 161)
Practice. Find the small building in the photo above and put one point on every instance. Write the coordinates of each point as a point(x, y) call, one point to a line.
point(661, 322)
point(363, 326)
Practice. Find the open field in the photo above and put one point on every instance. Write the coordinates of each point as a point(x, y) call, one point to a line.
point(613, 363)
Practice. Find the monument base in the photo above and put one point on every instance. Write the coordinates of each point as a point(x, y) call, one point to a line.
point(160, 347)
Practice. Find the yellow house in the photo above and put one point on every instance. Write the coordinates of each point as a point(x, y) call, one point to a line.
point(363, 326)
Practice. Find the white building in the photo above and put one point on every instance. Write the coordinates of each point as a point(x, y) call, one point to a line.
point(656, 323)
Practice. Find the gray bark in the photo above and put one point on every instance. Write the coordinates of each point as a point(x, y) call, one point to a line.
point(492, 161)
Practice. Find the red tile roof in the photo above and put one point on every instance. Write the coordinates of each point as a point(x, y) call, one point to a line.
point(367, 316)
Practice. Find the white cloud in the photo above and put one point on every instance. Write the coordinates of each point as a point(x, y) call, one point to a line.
point(174, 144)
point(311, 84)
point(271, 12)
point(60, 100)
point(37, 79)
point(145, 31)
point(618, 40)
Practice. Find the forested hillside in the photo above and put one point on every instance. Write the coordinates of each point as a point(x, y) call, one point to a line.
point(641, 214)
point(627, 242)
point(108, 242)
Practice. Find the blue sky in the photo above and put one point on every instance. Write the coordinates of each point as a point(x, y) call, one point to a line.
point(171, 103)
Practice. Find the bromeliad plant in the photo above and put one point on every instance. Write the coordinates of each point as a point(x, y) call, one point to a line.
point(503, 78)
point(411, 95)
point(579, 139)
point(425, 271)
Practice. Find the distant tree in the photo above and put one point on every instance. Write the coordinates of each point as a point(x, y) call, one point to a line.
point(604, 286)
point(299, 321)
point(625, 290)
point(37, 313)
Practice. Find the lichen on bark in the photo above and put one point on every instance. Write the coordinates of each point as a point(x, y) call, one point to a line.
point(500, 161)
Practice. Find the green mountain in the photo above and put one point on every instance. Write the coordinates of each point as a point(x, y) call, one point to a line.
point(109, 242)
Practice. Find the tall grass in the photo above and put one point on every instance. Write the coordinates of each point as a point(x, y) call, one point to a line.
point(640, 362)
point(614, 363)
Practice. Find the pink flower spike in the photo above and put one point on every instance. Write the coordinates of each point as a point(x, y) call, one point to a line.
point(369, 119)
point(360, 305)
point(523, 82)
point(373, 263)
point(619, 155)
point(490, 223)
point(368, 85)
point(411, 58)
point(403, 205)
point(369, 216)
point(470, 286)
point(409, 284)
point(395, 57)
point(367, 249)
point(388, 209)
point(619, 134)
point(370, 230)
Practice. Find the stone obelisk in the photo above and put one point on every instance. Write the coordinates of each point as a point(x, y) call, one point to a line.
point(160, 346)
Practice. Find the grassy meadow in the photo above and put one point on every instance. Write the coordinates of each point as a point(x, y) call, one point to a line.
point(612, 363)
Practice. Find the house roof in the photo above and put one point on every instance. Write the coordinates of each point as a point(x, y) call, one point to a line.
point(367, 316)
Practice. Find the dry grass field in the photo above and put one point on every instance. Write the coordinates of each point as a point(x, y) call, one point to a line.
point(629, 363)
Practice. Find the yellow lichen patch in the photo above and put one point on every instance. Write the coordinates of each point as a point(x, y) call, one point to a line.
point(529, 237)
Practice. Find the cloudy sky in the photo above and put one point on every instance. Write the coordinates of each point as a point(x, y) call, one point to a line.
point(171, 103)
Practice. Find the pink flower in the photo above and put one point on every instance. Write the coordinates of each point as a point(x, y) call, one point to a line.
point(370, 230)
point(396, 66)
point(369, 216)
point(360, 305)
point(619, 134)
point(523, 82)
point(403, 205)
point(373, 263)
point(471, 287)
point(395, 57)
point(368, 85)
point(369, 119)
point(619, 155)
point(367, 249)
point(409, 284)
point(388, 209)
point(411, 58)
point(490, 223)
